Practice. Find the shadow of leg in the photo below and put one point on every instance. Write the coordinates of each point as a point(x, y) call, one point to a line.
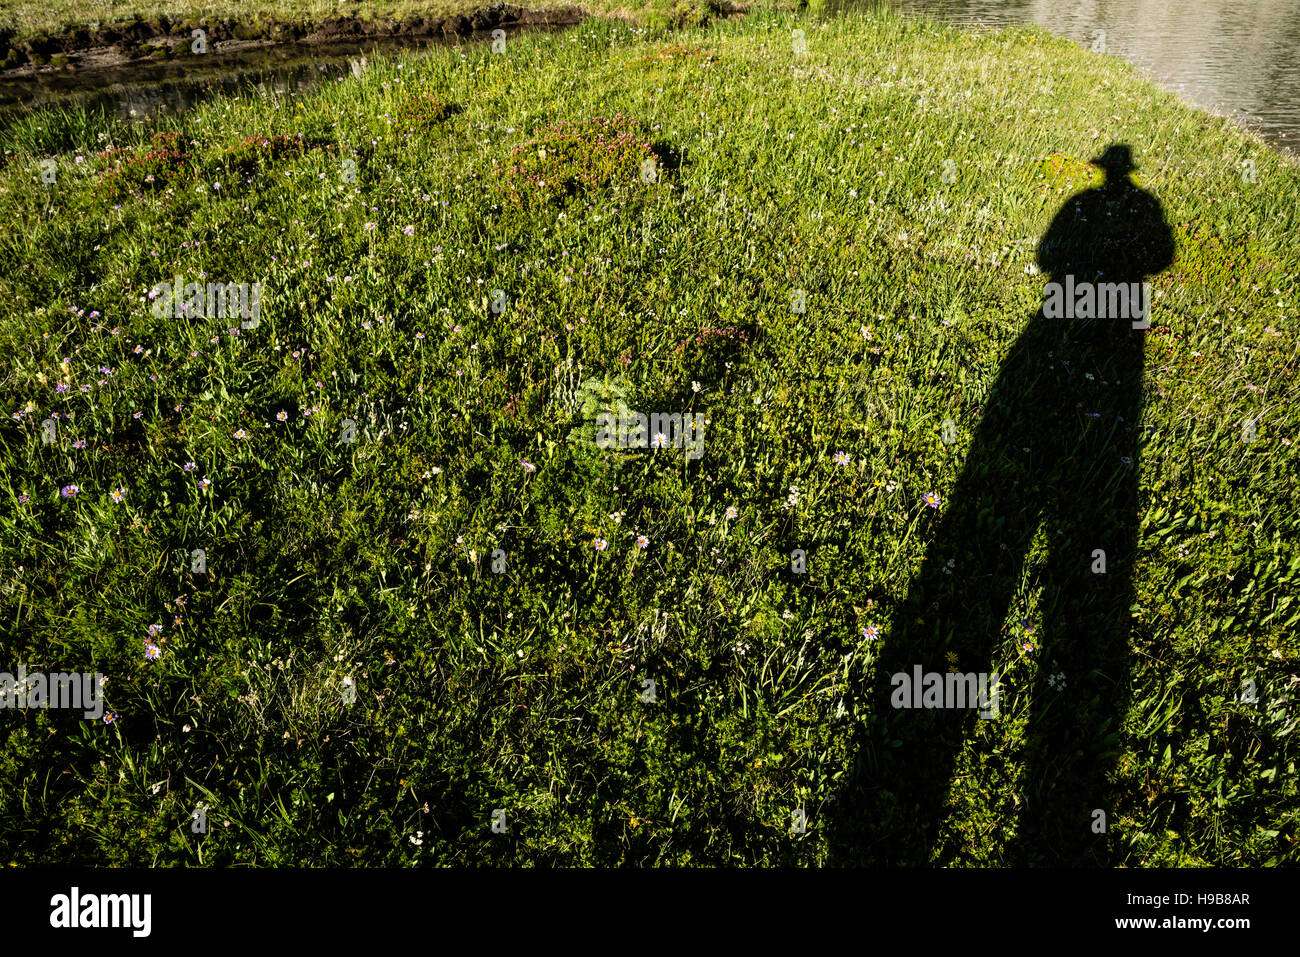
point(1080, 695)
point(951, 620)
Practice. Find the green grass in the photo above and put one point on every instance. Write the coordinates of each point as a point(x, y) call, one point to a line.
point(523, 690)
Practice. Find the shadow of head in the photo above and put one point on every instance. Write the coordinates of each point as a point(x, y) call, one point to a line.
point(1116, 162)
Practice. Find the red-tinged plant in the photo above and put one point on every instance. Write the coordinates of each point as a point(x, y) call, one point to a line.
point(132, 172)
point(567, 159)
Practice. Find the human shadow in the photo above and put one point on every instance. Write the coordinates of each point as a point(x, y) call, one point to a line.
point(1056, 448)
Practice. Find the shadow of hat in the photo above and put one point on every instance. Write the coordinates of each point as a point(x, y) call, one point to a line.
point(1117, 160)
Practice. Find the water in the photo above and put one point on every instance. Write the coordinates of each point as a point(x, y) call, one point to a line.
point(142, 90)
point(1240, 58)
point(147, 90)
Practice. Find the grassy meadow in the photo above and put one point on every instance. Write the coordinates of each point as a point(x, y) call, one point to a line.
point(471, 637)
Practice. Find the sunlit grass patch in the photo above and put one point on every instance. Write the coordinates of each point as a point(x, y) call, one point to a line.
point(676, 52)
point(1065, 173)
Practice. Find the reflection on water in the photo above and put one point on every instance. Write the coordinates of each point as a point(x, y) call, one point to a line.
point(150, 92)
point(1237, 57)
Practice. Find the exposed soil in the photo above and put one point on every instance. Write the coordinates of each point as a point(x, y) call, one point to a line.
point(161, 39)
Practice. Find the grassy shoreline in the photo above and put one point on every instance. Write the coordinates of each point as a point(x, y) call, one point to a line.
point(899, 173)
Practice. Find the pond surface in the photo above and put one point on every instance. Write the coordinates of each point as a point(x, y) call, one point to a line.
point(1236, 57)
point(145, 89)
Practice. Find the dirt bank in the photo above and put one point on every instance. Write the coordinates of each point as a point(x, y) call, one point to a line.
point(151, 40)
